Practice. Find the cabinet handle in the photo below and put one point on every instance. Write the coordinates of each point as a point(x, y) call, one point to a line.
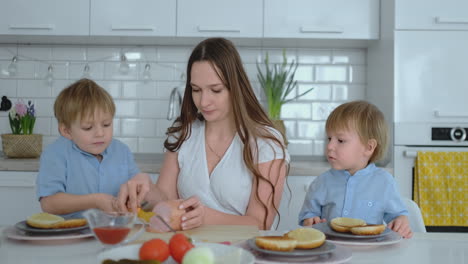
point(213, 29)
point(444, 20)
point(335, 30)
point(33, 27)
point(134, 28)
point(410, 154)
point(437, 113)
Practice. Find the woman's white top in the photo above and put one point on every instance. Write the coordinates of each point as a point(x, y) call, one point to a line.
point(228, 187)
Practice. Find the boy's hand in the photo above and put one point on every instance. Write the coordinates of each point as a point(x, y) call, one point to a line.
point(107, 203)
point(401, 226)
point(313, 221)
point(133, 192)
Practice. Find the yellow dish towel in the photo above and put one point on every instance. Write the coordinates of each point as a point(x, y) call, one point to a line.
point(440, 187)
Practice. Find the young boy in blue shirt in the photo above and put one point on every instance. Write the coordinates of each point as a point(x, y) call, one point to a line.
point(85, 167)
point(354, 187)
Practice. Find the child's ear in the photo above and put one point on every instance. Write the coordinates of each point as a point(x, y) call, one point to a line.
point(371, 145)
point(65, 131)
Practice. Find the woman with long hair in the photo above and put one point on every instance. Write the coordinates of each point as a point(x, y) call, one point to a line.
point(224, 158)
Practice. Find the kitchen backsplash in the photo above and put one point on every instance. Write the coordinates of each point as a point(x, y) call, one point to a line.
point(142, 99)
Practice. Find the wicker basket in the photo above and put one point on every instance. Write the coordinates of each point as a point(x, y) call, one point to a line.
point(22, 146)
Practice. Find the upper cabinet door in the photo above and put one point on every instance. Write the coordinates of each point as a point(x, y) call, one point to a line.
point(431, 82)
point(133, 18)
point(207, 18)
point(340, 19)
point(45, 17)
point(432, 14)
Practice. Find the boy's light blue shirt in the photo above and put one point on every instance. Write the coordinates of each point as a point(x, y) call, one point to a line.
point(370, 194)
point(66, 168)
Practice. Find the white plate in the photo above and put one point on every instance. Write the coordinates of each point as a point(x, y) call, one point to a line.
point(326, 248)
point(341, 254)
point(327, 230)
point(234, 255)
point(48, 231)
point(13, 233)
point(392, 238)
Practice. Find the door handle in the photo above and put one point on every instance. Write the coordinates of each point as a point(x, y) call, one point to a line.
point(445, 20)
point(32, 26)
point(410, 154)
point(132, 28)
point(217, 29)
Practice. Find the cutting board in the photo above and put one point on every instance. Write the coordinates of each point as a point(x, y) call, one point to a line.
point(208, 233)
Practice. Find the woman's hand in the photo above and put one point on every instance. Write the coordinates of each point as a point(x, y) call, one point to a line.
point(133, 192)
point(313, 221)
point(401, 226)
point(195, 213)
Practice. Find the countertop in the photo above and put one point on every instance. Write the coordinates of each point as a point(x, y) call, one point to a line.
point(151, 163)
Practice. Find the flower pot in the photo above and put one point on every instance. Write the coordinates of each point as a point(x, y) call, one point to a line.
point(279, 125)
point(22, 146)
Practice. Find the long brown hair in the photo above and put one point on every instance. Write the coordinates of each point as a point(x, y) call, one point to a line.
point(250, 119)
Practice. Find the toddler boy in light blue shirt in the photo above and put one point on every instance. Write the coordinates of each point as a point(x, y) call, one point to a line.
point(354, 187)
point(85, 167)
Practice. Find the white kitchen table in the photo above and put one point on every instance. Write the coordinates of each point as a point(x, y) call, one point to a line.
point(440, 248)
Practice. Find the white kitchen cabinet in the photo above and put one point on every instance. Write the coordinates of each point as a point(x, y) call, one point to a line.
point(207, 18)
point(133, 18)
point(431, 14)
point(431, 80)
point(47, 17)
point(291, 202)
point(337, 19)
point(17, 196)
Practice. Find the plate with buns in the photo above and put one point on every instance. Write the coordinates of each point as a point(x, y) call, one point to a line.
point(344, 227)
point(49, 224)
point(300, 242)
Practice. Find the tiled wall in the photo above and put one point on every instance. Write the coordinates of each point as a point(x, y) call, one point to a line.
point(337, 75)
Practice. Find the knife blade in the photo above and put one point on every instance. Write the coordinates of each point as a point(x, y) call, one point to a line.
point(165, 223)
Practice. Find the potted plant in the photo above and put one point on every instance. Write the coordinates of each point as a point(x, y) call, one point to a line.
point(22, 143)
point(277, 83)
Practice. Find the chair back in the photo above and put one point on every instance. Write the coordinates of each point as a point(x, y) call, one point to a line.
point(415, 216)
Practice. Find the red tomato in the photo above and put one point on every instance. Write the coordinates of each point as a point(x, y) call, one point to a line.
point(179, 245)
point(154, 249)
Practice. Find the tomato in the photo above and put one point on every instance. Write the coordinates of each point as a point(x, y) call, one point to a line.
point(179, 245)
point(154, 249)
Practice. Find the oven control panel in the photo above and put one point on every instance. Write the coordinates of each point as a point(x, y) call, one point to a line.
point(450, 133)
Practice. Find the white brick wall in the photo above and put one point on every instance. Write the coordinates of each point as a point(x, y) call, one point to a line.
point(338, 75)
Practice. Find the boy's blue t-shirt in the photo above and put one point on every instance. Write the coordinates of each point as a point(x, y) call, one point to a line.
point(370, 194)
point(66, 168)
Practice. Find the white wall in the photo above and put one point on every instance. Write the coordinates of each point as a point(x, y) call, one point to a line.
point(338, 75)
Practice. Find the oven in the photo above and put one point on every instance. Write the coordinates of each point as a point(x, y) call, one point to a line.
point(436, 137)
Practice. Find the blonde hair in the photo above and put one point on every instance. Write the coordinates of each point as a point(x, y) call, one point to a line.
point(366, 119)
point(81, 100)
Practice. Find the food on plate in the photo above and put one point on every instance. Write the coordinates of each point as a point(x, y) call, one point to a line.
point(344, 224)
point(307, 237)
point(167, 210)
point(129, 261)
point(368, 230)
point(199, 255)
point(355, 226)
point(49, 221)
point(276, 243)
point(179, 245)
point(154, 249)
